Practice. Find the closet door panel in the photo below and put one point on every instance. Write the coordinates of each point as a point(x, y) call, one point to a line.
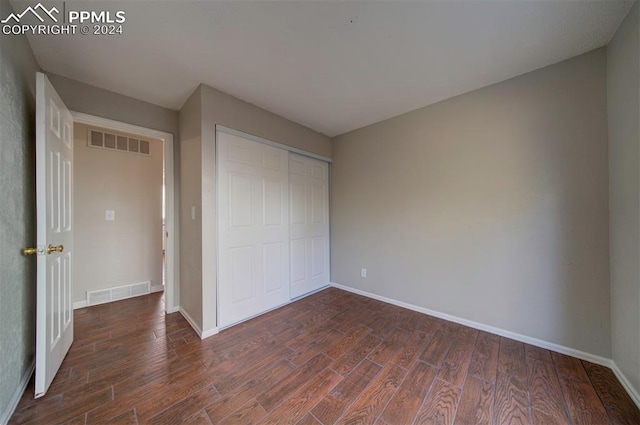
point(253, 240)
point(309, 224)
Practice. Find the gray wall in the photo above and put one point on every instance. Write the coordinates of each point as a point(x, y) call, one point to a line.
point(17, 212)
point(80, 97)
point(623, 71)
point(491, 206)
point(191, 196)
point(205, 108)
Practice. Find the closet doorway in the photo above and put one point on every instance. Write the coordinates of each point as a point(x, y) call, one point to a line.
point(273, 225)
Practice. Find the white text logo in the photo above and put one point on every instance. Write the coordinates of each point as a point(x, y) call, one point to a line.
point(34, 12)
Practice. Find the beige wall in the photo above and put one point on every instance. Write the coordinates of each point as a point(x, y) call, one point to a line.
point(221, 108)
point(623, 93)
point(205, 108)
point(81, 97)
point(491, 206)
point(129, 249)
point(191, 197)
point(17, 214)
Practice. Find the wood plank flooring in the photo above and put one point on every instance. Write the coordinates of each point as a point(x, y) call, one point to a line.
point(333, 357)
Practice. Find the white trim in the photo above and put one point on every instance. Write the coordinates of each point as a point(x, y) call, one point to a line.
point(17, 395)
point(79, 304)
point(208, 333)
point(192, 322)
point(157, 288)
point(175, 309)
point(270, 143)
point(172, 283)
point(196, 328)
point(603, 361)
point(635, 396)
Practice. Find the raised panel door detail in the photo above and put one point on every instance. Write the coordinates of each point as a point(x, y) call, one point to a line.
point(54, 113)
point(54, 191)
point(317, 171)
point(309, 229)
point(318, 260)
point(238, 153)
point(298, 261)
point(298, 203)
point(272, 160)
point(66, 292)
point(297, 166)
point(56, 296)
point(66, 195)
point(240, 200)
point(242, 264)
point(66, 134)
point(318, 207)
point(272, 266)
point(272, 202)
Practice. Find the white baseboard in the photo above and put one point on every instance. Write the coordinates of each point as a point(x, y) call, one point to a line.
point(175, 309)
point(476, 325)
point(17, 395)
point(208, 333)
point(192, 322)
point(79, 304)
point(157, 288)
point(194, 325)
point(633, 393)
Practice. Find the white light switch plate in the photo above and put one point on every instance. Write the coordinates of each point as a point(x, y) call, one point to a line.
point(110, 215)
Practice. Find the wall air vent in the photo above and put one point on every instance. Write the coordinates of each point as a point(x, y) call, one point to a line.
point(118, 142)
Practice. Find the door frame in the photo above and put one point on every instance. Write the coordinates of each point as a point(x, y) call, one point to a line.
point(172, 278)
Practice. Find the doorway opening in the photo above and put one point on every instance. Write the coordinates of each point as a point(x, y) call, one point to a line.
point(124, 195)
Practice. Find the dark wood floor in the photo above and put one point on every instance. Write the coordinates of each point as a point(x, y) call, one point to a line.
point(333, 357)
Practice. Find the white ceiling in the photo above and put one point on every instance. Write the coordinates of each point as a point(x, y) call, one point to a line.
point(332, 66)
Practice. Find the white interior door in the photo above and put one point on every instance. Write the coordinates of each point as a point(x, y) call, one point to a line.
point(253, 275)
point(54, 162)
point(309, 224)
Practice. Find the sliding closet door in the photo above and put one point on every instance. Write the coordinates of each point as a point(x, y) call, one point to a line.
point(309, 224)
point(253, 228)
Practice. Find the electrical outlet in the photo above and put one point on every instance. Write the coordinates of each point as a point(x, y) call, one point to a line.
point(363, 273)
point(110, 215)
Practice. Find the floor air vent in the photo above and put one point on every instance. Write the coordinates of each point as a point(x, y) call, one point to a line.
point(118, 293)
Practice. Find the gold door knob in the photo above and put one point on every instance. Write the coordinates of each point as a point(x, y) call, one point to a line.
point(52, 248)
point(29, 251)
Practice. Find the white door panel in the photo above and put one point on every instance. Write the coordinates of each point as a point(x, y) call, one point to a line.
point(309, 224)
point(253, 184)
point(54, 178)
